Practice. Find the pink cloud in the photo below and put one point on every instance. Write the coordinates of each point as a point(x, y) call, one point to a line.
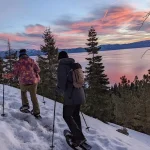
point(12, 37)
point(35, 29)
point(106, 23)
point(113, 18)
point(31, 38)
point(67, 41)
point(26, 36)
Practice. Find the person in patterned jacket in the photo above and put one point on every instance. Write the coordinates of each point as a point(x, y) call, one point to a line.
point(27, 72)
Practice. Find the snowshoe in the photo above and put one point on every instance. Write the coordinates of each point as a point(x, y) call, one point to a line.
point(77, 143)
point(25, 109)
point(37, 116)
point(69, 137)
point(72, 144)
point(86, 146)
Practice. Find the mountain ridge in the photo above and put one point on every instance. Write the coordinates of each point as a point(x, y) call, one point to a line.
point(106, 47)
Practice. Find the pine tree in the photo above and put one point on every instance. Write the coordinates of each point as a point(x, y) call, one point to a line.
point(92, 43)
point(11, 58)
point(97, 91)
point(48, 65)
point(95, 77)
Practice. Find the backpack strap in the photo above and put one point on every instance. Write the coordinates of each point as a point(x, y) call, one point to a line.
point(71, 69)
point(67, 81)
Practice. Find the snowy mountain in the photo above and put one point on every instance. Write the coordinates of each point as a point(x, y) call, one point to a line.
point(19, 131)
point(108, 47)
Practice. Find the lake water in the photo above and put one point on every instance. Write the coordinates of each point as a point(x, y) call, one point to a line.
point(121, 62)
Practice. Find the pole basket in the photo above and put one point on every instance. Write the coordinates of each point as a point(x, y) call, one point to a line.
point(88, 128)
point(52, 146)
point(4, 115)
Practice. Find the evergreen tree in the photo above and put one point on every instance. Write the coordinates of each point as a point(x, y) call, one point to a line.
point(124, 82)
point(48, 65)
point(92, 43)
point(97, 91)
point(95, 77)
point(11, 58)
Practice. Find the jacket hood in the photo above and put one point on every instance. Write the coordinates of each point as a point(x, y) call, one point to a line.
point(66, 61)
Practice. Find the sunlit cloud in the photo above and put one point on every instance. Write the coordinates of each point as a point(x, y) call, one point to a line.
point(115, 24)
point(113, 18)
point(35, 29)
point(30, 38)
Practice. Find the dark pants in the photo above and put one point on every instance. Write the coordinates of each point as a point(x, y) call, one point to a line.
point(71, 114)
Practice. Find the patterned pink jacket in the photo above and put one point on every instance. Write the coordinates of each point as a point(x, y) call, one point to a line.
point(27, 71)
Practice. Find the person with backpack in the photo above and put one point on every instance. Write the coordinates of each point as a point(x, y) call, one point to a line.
point(70, 81)
point(27, 72)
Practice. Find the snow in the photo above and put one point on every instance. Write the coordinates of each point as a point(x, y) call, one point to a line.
point(134, 134)
point(19, 131)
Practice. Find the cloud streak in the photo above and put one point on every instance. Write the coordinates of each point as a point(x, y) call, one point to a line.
point(113, 25)
point(113, 18)
point(30, 38)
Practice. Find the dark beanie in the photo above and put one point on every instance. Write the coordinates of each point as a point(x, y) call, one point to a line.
point(22, 52)
point(62, 54)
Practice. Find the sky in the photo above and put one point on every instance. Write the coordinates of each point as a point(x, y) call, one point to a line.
point(115, 21)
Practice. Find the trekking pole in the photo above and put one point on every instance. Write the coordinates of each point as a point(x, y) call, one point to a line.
point(43, 100)
point(52, 146)
point(3, 114)
point(82, 112)
point(85, 122)
point(43, 95)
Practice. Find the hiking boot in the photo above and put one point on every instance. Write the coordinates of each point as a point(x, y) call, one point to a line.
point(24, 108)
point(36, 115)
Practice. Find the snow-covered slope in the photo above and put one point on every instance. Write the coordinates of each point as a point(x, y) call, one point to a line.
point(20, 131)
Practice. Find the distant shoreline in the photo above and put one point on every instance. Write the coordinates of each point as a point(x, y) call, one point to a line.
point(108, 47)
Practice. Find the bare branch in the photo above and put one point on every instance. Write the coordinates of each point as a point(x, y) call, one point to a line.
point(146, 17)
point(144, 53)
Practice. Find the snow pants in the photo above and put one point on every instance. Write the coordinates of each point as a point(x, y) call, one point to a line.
point(71, 114)
point(32, 90)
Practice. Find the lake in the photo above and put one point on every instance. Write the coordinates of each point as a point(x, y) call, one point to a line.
point(117, 63)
